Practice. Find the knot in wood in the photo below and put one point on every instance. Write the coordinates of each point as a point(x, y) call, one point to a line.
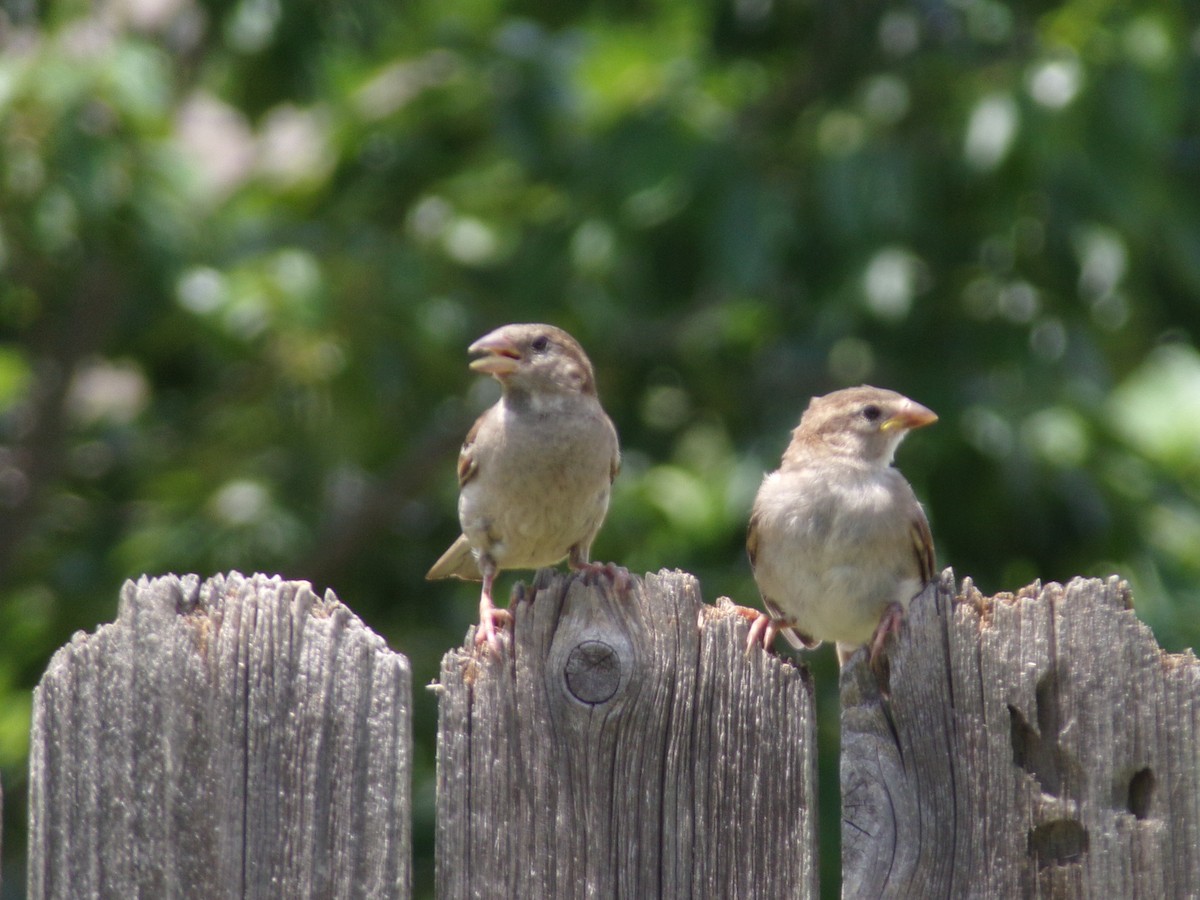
point(593, 672)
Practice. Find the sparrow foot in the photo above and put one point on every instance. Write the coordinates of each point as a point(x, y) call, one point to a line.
point(893, 618)
point(618, 575)
point(491, 618)
point(762, 628)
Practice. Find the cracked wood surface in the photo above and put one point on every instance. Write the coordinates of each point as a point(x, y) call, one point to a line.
point(240, 737)
point(245, 738)
point(624, 745)
point(1033, 745)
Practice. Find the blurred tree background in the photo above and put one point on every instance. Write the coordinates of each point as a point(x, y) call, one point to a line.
point(244, 244)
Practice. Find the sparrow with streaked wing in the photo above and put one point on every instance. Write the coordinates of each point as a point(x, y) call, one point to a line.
point(838, 543)
point(536, 470)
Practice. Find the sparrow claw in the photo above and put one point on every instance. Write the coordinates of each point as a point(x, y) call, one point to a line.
point(762, 628)
point(618, 575)
point(490, 618)
point(893, 618)
point(486, 634)
point(488, 630)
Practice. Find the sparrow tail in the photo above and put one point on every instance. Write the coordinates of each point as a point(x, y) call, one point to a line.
point(456, 562)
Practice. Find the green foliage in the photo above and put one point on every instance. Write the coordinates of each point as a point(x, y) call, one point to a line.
point(244, 245)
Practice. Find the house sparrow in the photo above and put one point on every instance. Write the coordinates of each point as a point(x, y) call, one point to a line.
point(536, 469)
point(838, 543)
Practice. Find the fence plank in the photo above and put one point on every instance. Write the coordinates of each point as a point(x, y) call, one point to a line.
point(621, 750)
point(237, 738)
point(1033, 745)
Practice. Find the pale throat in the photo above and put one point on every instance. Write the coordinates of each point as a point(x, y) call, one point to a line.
point(879, 451)
point(540, 403)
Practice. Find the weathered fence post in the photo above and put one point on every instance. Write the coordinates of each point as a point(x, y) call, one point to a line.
point(1033, 745)
point(246, 738)
point(625, 745)
point(237, 738)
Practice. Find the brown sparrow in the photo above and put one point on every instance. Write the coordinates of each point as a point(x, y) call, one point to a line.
point(838, 543)
point(536, 469)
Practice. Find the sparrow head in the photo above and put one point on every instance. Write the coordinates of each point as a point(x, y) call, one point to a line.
point(866, 423)
point(540, 359)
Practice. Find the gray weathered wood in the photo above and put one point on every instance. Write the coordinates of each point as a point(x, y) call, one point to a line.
point(627, 747)
point(1033, 745)
point(237, 738)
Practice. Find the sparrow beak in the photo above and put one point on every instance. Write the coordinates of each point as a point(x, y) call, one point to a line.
point(911, 415)
point(500, 358)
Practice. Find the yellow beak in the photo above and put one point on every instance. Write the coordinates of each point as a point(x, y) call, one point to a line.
point(501, 356)
point(913, 415)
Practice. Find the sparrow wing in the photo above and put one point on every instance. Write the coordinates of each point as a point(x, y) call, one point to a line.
point(468, 465)
point(459, 561)
point(798, 639)
point(922, 540)
point(752, 540)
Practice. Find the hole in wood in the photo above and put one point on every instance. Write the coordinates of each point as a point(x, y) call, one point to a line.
point(1057, 843)
point(1141, 789)
point(593, 672)
point(1048, 714)
point(1024, 739)
point(1037, 750)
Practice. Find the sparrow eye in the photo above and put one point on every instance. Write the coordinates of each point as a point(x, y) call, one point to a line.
point(540, 343)
point(871, 413)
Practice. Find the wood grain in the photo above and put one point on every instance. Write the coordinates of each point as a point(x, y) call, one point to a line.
point(240, 737)
point(1037, 744)
point(624, 745)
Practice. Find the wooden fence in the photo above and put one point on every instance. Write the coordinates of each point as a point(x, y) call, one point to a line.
point(242, 737)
